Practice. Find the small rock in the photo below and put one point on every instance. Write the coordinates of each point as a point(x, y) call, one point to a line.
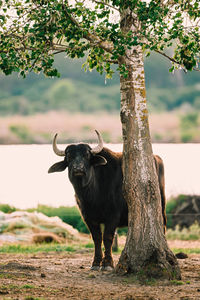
point(181, 255)
point(57, 263)
point(3, 292)
point(91, 275)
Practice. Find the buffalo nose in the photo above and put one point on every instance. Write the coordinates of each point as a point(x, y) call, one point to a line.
point(79, 170)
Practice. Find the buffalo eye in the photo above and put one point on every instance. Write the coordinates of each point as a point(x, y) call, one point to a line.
point(88, 155)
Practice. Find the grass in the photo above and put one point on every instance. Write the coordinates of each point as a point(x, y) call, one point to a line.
point(6, 208)
point(46, 248)
point(9, 286)
point(7, 275)
point(28, 286)
point(186, 234)
point(89, 245)
point(186, 250)
point(177, 282)
point(17, 287)
point(17, 248)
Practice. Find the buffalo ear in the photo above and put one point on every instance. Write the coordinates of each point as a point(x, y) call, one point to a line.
point(99, 160)
point(58, 167)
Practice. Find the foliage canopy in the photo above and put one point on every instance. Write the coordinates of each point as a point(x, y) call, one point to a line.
point(32, 31)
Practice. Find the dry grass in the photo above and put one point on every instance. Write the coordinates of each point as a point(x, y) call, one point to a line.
point(165, 126)
point(69, 126)
point(75, 127)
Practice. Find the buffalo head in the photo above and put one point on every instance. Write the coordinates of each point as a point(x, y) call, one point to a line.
point(80, 160)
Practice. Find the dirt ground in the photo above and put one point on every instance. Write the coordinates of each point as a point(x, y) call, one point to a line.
point(68, 276)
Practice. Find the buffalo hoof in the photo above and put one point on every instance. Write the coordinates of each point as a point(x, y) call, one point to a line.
point(107, 268)
point(95, 268)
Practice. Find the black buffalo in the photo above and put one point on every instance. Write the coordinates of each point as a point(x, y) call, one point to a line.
point(96, 175)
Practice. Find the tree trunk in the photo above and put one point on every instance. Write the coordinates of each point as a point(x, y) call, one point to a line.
point(146, 251)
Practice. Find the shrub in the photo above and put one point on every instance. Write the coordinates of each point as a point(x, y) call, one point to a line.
point(188, 126)
point(122, 231)
point(22, 132)
point(186, 234)
point(106, 136)
point(189, 120)
point(171, 206)
point(6, 208)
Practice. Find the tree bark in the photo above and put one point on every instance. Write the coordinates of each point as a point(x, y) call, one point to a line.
point(146, 251)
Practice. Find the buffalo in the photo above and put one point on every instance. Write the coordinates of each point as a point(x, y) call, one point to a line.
point(96, 175)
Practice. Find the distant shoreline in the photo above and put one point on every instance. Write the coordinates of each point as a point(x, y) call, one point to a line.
point(165, 127)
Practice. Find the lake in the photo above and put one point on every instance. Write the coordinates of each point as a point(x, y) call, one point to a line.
point(25, 182)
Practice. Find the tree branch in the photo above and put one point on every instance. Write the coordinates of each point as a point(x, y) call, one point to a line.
point(174, 61)
point(58, 52)
point(167, 56)
point(111, 61)
point(92, 38)
point(62, 48)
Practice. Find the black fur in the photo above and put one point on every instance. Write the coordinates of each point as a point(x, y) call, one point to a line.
point(97, 181)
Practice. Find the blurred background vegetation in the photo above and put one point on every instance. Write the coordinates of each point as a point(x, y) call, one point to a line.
point(183, 222)
point(176, 95)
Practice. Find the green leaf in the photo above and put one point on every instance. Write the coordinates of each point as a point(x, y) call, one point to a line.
point(50, 25)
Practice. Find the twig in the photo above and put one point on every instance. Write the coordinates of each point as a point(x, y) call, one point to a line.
point(107, 4)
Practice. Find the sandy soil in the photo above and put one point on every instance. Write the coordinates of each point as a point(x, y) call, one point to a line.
point(68, 276)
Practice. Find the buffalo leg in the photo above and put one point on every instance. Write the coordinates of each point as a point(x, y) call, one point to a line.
point(163, 201)
point(161, 178)
point(95, 230)
point(108, 237)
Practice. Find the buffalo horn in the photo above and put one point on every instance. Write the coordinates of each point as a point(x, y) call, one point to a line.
point(99, 147)
point(55, 148)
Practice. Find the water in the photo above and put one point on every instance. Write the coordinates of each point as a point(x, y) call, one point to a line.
point(25, 182)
